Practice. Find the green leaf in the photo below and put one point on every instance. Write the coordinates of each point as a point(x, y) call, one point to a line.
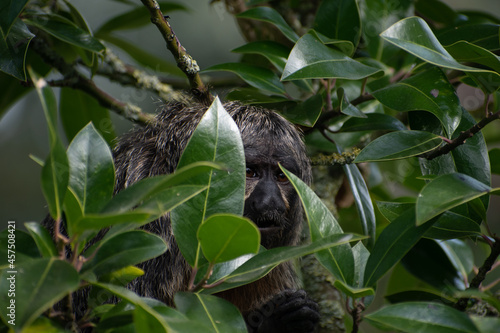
point(430, 91)
point(13, 50)
point(339, 19)
point(414, 36)
point(446, 192)
point(373, 122)
point(346, 107)
point(258, 77)
point(92, 173)
point(251, 96)
point(310, 59)
point(268, 14)
point(467, 52)
point(392, 244)
point(380, 15)
point(338, 260)
point(486, 324)
point(343, 45)
point(144, 58)
point(125, 249)
point(132, 196)
point(353, 292)
point(49, 105)
point(275, 52)
point(150, 210)
point(40, 283)
point(398, 145)
point(55, 179)
point(305, 113)
point(65, 30)
point(9, 12)
point(43, 239)
point(216, 138)
point(135, 18)
point(428, 262)
point(224, 237)
point(77, 109)
point(262, 263)
point(364, 205)
point(438, 11)
point(421, 317)
point(483, 35)
point(217, 314)
point(460, 255)
point(494, 156)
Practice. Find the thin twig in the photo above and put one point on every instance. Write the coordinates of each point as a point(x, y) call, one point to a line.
point(460, 140)
point(184, 61)
point(481, 274)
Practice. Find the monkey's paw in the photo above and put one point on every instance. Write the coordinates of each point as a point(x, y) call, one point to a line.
point(290, 311)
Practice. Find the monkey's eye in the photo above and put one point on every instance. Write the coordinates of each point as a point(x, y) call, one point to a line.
point(251, 173)
point(281, 177)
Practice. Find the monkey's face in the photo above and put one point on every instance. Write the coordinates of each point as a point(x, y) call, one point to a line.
point(270, 199)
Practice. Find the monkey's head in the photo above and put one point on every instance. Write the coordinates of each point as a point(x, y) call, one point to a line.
point(271, 202)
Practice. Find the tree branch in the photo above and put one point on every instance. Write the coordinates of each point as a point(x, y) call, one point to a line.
point(481, 274)
point(460, 140)
point(184, 61)
point(74, 79)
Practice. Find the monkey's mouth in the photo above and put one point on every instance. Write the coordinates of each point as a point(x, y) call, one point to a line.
point(268, 227)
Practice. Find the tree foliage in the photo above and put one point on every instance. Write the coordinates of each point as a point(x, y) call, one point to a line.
point(373, 85)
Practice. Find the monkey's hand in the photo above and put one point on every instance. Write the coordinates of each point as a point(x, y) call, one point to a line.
point(290, 311)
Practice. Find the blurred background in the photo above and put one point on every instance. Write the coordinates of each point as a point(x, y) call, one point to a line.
point(206, 31)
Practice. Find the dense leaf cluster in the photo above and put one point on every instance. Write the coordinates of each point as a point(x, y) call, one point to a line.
point(378, 77)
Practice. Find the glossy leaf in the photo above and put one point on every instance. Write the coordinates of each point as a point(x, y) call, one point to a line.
point(225, 237)
point(135, 18)
point(364, 205)
point(428, 262)
point(438, 11)
point(92, 173)
point(217, 314)
point(414, 36)
point(467, 52)
point(448, 225)
point(125, 249)
point(345, 46)
point(251, 96)
point(380, 15)
point(275, 52)
point(217, 138)
point(9, 12)
point(429, 91)
point(150, 210)
point(307, 112)
point(268, 14)
point(421, 317)
point(42, 238)
point(373, 122)
point(482, 34)
point(346, 107)
point(13, 50)
point(262, 263)
point(398, 145)
point(49, 105)
point(40, 283)
point(338, 260)
point(339, 19)
point(446, 192)
point(65, 30)
point(392, 244)
point(460, 255)
point(258, 77)
point(132, 196)
point(77, 109)
point(55, 179)
point(310, 59)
